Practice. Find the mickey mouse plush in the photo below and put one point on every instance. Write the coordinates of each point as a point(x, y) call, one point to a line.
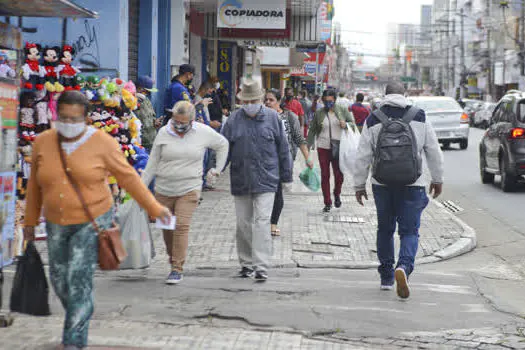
point(66, 71)
point(32, 71)
point(51, 57)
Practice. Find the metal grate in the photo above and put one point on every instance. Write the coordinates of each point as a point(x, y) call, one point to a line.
point(451, 206)
point(344, 218)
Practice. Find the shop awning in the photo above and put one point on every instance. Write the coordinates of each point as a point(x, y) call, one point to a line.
point(44, 8)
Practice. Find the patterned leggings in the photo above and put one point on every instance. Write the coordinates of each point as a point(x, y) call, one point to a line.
point(73, 256)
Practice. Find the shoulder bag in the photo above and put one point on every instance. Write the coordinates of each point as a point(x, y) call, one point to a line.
point(111, 251)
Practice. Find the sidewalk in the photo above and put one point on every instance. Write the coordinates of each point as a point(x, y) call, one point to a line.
point(345, 238)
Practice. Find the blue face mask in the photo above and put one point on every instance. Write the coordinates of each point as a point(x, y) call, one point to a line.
point(328, 105)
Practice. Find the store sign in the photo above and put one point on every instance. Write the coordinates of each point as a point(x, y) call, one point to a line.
point(251, 14)
point(225, 66)
point(267, 43)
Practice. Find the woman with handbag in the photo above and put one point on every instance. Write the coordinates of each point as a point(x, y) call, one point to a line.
point(292, 127)
point(325, 130)
point(70, 166)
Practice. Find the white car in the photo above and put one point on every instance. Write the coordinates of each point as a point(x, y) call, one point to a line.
point(447, 117)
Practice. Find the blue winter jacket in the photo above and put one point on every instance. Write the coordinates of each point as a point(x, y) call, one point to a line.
point(259, 152)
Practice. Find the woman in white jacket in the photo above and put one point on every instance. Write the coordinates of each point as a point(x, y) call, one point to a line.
point(176, 164)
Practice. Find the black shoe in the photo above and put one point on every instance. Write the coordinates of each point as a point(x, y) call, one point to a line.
point(246, 273)
point(261, 276)
point(327, 208)
point(338, 202)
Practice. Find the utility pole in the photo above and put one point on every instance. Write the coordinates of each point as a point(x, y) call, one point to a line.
point(522, 41)
point(462, 58)
point(490, 80)
point(447, 64)
point(453, 68)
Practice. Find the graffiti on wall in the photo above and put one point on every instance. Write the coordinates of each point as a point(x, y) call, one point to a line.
point(87, 47)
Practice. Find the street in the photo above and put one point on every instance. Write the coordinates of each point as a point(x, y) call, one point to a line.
point(471, 301)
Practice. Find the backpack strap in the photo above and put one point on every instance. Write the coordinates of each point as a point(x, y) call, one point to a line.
point(410, 114)
point(383, 118)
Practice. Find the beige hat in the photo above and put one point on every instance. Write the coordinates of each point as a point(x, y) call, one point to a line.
point(250, 90)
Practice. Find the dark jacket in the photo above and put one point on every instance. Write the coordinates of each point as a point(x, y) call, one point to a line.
point(259, 152)
point(146, 115)
point(316, 125)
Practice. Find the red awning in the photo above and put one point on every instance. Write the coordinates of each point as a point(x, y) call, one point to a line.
point(44, 8)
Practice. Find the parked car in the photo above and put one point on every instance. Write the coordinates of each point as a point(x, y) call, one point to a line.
point(447, 117)
point(502, 148)
point(482, 117)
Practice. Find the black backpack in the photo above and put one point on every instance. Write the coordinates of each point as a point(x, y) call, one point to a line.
point(396, 160)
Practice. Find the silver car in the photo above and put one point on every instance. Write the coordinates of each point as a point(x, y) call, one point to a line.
point(482, 117)
point(447, 117)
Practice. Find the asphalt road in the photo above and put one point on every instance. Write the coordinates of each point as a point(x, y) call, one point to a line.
point(498, 263)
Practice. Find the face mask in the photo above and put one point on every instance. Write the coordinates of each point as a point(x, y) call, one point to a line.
point(252, 109)
point(328, 105)
point(218, 86)
point(181, 128)
point(289, 98)
point(68, 130)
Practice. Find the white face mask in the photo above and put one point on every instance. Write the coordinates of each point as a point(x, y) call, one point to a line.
point(218, 86)
point(252, 108)
point(70, 130)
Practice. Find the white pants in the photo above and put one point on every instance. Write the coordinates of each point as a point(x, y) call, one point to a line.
point(254, 241)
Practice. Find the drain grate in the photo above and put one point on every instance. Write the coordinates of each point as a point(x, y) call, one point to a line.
point(343, 218)
point(451, 206)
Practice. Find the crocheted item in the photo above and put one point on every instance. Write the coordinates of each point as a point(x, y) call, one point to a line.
point(27, 118)
point(43, 113)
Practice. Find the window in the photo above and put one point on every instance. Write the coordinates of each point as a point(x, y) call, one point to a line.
point(521, 111)
point(496, 116)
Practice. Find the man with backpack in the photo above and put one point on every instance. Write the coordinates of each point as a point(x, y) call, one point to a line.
point(392, 144)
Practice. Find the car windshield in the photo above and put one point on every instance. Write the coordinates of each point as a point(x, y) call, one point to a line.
point(522, 112)
point(438, 105)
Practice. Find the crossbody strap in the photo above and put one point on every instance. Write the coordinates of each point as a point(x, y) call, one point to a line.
point(329, 125)
point(75, 184)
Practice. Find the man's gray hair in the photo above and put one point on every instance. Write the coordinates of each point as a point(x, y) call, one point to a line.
point(184, 108)
point(394, 88)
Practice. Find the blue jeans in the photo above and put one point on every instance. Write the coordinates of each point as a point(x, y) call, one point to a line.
point(402, 206)
point(73, 256)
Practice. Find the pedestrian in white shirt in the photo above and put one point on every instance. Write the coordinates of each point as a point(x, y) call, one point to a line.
point(176, 162)
point(343, 101)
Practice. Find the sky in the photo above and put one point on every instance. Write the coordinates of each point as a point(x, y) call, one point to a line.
point(373, 16)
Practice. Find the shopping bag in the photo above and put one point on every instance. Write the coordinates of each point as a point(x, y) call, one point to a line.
point(348, 150)
point(136, 236)
point(311, 178)
point(30, 292)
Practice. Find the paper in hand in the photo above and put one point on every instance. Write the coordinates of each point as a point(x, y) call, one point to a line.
point(170, 226)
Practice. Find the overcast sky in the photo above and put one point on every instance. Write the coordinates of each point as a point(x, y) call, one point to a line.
point(373, 16)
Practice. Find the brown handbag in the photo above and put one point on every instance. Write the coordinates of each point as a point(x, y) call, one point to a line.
point(111, 251)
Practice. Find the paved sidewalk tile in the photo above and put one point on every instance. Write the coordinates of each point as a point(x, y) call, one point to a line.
point(343, 239)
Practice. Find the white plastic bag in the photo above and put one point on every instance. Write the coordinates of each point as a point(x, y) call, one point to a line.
point(348, 150)
point(136, 236)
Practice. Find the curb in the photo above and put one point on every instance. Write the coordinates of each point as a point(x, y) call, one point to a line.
point(466, 243)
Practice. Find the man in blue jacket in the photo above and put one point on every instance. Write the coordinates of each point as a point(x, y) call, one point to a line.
point(260, 160)
point(178, 90)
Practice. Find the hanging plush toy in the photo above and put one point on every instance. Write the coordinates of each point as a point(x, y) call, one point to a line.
point(66, 71)
point(5, 70)
point(51, 57)
point(32, 71)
